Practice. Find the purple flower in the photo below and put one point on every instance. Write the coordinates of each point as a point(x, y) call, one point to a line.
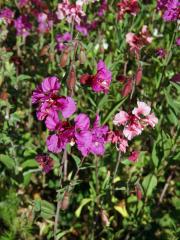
point(45, 162)
point(102, 79)
point(161, 4)
point(98, 137)
point(49, 102)
point(44, 23)
point(172, 11)
point(178, 41)
point(7, 14)
point(22, 26)
point(176, 78)
point(82, 28)
point(83, 134)
point(61, 39)
point(57, 142)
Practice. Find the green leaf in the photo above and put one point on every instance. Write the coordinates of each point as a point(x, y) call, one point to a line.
point(7, 161)
point(29, 164)
point(83, 203)
point(149, 183)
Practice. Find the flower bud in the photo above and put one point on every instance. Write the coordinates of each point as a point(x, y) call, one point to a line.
point(127, 89)
point(104, 218)
point(82, 57)
point(65, 201)
point(138, 76)
point(71, 81)
point(138, 192)
point(44, 51)
point(64, 58)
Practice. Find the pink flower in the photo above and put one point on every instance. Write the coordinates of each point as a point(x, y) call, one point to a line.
point(71, 12)
point(134, 156)
point(127, 6)
point(142, 109)
point(135, 122)
point(151, 120)
point(22, 26)
point(45, 24)
point(117, 138)
point(100, 82)
point(178, 41)
point(121, 118)
point(62, 39)
point(138, 41)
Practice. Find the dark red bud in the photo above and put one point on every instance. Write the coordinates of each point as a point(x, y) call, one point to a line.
point(138, 76)
point(71, 81)
point(85, 78)
point(138, 193)
point(127, 89)
point(121, 78)
point(64, 58)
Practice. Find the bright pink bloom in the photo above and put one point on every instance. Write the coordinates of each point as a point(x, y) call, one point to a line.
point(134, 156)
point(127, 6)
point(62, 39)
point(49, 102)
point(178, 41)
point(100, 82)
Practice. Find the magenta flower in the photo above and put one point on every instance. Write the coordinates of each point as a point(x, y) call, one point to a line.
point(98, 137)
point(100, 82)
point(7, 14)
point(172, 12)
point(22, 26)
point(62, 39)
point(49, 102)
point(103, 8)
point(161, 52)
point(45, 162)
point(83, 134)
point(23, 3)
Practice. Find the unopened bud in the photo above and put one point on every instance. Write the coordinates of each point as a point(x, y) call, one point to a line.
point(138, 193)
point(82, 57)
point(127, 89)
point(138, 76)
point(71, 81)
point(65, 201)
point(104, 218)
point(44, 51)
point(64, 58)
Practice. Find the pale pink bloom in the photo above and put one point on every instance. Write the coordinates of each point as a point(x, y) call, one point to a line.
point(121, 118)
point(117, 138)
point(134, 156)
point(133, 129)
point(151, 120)
point(142, 109)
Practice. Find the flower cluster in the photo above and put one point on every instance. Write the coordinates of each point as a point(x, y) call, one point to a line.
point(100, 82)
point(70, 12)
point(88, 139)
point(135, 122)
point(138, 41)
point(49, 103)
point(45, 162)
point(170, 8)
point(127, 6)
